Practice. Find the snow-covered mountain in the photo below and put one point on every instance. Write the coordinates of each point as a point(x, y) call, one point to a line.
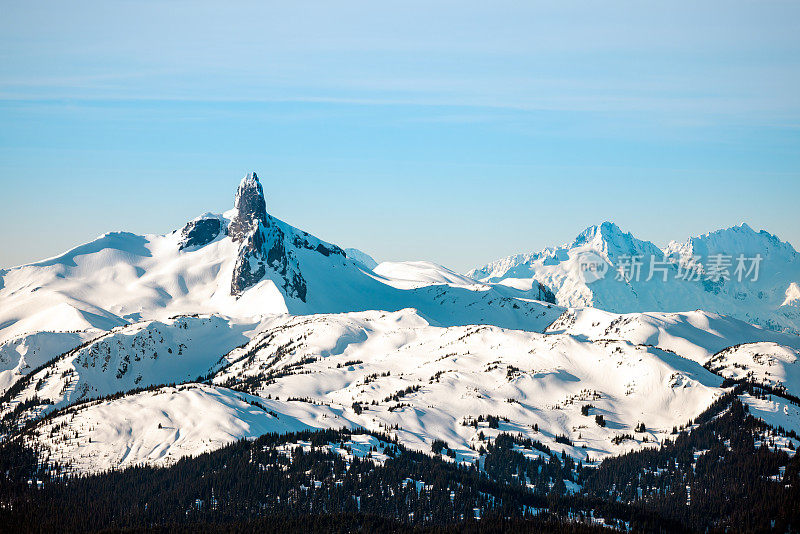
point(697, 335)
point(609, 269)
point(776, 286)
point(129, 357)
point(380, 369)
point(242, 264)
point(144, 349)
point(394, 372)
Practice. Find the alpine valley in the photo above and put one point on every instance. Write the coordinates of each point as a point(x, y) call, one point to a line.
point(241, 374)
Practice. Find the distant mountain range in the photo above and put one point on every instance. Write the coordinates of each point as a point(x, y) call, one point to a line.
point(700, 273)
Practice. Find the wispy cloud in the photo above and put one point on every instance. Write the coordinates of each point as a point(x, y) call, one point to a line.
point(686, 58)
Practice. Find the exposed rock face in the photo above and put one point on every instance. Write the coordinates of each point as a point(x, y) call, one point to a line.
point(250, 264)
point(545, 294)
point(328, 249)
point(251, 208)
point(264, 246)
point(200, 232)
point(262, 249)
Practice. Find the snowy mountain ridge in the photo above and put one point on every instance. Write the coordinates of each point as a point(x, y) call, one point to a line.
point(241, 265)
point(144, 349)
point(394, 372)
point(736, 271)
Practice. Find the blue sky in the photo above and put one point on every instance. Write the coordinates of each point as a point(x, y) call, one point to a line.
point(448, 131)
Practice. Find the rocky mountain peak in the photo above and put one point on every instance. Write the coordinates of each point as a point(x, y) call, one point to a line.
point(250, 206)
point(740, 239)
point(610, 239)
point(265, 249)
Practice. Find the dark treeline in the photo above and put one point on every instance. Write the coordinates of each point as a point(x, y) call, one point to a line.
point(726, 474)
point(247, 481)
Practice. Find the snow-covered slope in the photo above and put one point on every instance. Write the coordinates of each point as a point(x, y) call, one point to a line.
point(421, 273)
point(243, 264)
point(636, 276)
point(134, 356)
point(431, 381)
point(161, 426)
point(19, 356)
point(767, 363)
point(394, 372)
point(696, 335)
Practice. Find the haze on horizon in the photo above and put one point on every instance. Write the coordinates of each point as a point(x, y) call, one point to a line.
point(456, 133)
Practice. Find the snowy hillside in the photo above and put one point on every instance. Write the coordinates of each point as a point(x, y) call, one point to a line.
point(395, 372)
point(421, 273)
point(161, 426)
point(145, 349)
point(242, 264)
point(432, 381)
point(19, 356)
point(766, 363)
point(695, 335)
point(714, 272)
point(130, 357)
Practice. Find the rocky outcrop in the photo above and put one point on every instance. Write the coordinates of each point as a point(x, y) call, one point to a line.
point(251, 264)
point(200, 232)
point(251, 208)
point(545, 294)
point(326, 249)
point(264, 248)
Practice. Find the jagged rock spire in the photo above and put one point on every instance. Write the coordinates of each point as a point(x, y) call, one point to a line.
point(263, 245)
point(251, 208)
